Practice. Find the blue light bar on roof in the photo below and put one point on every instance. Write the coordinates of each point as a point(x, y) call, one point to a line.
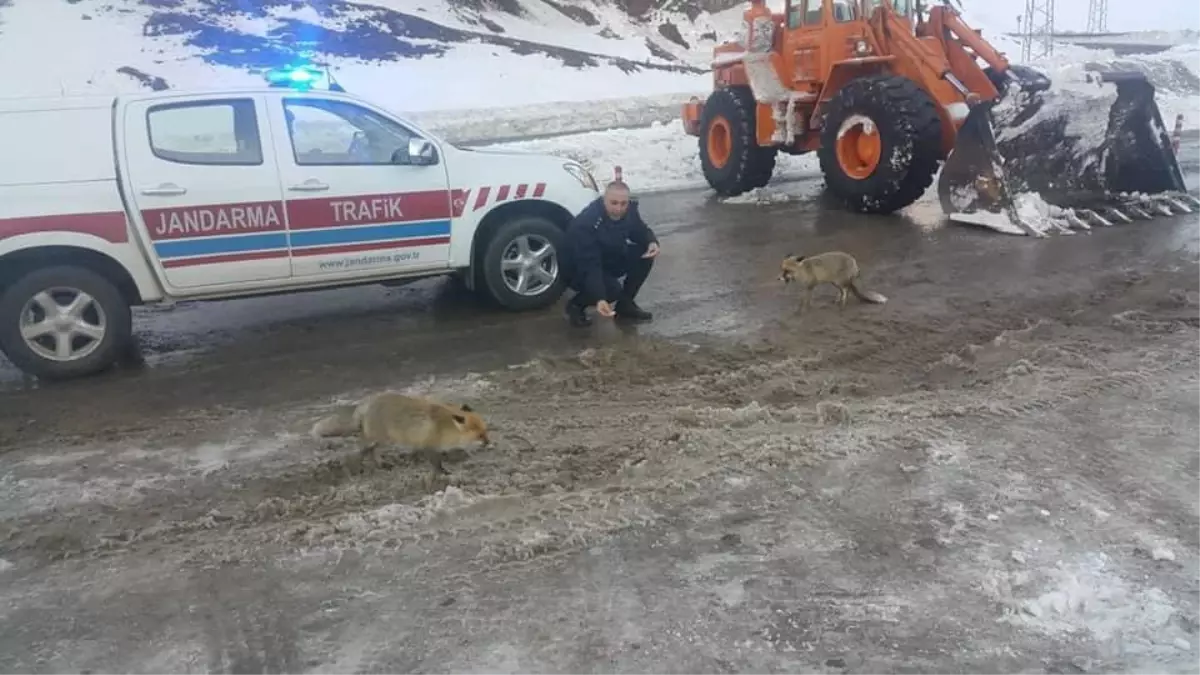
point(295, 77)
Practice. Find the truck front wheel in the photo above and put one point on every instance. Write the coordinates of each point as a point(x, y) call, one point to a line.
point(63, 322)
point(521, 264)
point(880, 144)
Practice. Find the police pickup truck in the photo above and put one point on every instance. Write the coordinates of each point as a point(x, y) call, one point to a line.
point(107, 203)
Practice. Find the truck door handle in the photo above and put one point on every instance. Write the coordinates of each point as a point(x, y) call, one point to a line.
point(164, 190)
point(310, 185)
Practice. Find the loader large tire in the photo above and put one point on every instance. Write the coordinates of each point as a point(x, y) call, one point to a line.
point(730, 156)
point(880, 144)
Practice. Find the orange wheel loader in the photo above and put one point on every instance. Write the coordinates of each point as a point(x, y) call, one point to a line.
point(885, 91)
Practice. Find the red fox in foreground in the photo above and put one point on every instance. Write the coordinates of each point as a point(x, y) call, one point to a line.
point(418, 425)
point(834, 267)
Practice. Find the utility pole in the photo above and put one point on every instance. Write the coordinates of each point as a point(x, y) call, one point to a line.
point(1038, 40)
point(1097, 16)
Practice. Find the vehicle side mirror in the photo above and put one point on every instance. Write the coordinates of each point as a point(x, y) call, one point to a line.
point(419, 152)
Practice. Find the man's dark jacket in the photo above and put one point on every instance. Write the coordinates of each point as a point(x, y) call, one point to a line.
point(599, 247)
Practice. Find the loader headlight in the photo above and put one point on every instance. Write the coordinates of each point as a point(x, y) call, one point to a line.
point(582, 175)
point(862, 48)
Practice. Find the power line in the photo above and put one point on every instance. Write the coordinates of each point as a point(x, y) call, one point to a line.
point(1037, 39)
point(1097, 16)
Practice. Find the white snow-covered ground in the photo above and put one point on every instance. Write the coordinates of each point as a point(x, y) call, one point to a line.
point(660, 157)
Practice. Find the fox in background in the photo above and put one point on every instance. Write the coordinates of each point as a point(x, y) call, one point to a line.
point(835, 267)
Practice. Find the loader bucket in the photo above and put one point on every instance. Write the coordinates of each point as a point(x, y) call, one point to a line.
point(1063, 159)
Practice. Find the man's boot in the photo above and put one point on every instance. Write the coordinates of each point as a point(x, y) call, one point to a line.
point(577, 314)
point(628, 309)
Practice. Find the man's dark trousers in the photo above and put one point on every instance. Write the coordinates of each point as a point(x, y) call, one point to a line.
point(634, 268)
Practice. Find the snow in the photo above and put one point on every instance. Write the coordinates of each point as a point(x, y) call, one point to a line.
point(660, 157)
point(998, 222)
point(1087, 597)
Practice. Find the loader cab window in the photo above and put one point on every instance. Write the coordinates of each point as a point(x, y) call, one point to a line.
point(844, 10)
point(803, 13)
point(903, 7)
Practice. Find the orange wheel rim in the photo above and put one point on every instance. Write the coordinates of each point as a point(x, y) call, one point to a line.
point(859, 148)
point(720, 141)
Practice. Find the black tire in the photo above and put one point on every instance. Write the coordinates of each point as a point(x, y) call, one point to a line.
point(492, 255)
point(112, 347)
point(749, 166)
point(910, 132)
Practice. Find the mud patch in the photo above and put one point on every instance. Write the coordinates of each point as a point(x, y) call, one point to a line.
point(833, 485)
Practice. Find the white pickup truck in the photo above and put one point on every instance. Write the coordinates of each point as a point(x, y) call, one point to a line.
point(111, 202)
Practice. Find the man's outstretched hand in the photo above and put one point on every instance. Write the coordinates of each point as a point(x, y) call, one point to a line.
point(604, 309)
point(651, 250)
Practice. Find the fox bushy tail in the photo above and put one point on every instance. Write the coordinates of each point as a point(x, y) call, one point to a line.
point(867, 296)
point(342, 422)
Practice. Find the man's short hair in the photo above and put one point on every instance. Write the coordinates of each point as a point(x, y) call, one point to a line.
point(617, 185)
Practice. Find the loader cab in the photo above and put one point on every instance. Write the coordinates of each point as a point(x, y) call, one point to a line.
point(811, 13)
point(821, 33)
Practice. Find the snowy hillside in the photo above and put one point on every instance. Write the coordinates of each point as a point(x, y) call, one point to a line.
point(410, 54)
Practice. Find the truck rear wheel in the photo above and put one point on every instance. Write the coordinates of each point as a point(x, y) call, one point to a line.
point(880, 144)
point(732, 160)
point(521, 264)
point(63, 322)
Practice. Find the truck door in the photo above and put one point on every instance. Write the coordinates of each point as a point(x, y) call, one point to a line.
point(805, 21)
point(357, 204)
point(202, 175)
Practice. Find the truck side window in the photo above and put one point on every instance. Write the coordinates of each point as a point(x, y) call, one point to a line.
point(217, 133)
point(330, 133)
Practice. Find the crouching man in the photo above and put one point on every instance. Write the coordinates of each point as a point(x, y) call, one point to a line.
point(609, 253)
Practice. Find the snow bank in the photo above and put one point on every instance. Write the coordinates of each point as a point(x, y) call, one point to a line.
point(661, 157)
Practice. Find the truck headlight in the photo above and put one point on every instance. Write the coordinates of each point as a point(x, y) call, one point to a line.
point(582, 175)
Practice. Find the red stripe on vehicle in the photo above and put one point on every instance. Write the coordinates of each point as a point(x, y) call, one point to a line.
point(503, 194)
point(393, 207)
point(521, 189)
point(458, 201)
point(373, 246)
point(482, 199)
point(206, 220)
point(539, 190)
point(110, 226)
point(225, 258)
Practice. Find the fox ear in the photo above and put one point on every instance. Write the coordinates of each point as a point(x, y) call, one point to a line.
point(460, 419)
point(466, 408)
